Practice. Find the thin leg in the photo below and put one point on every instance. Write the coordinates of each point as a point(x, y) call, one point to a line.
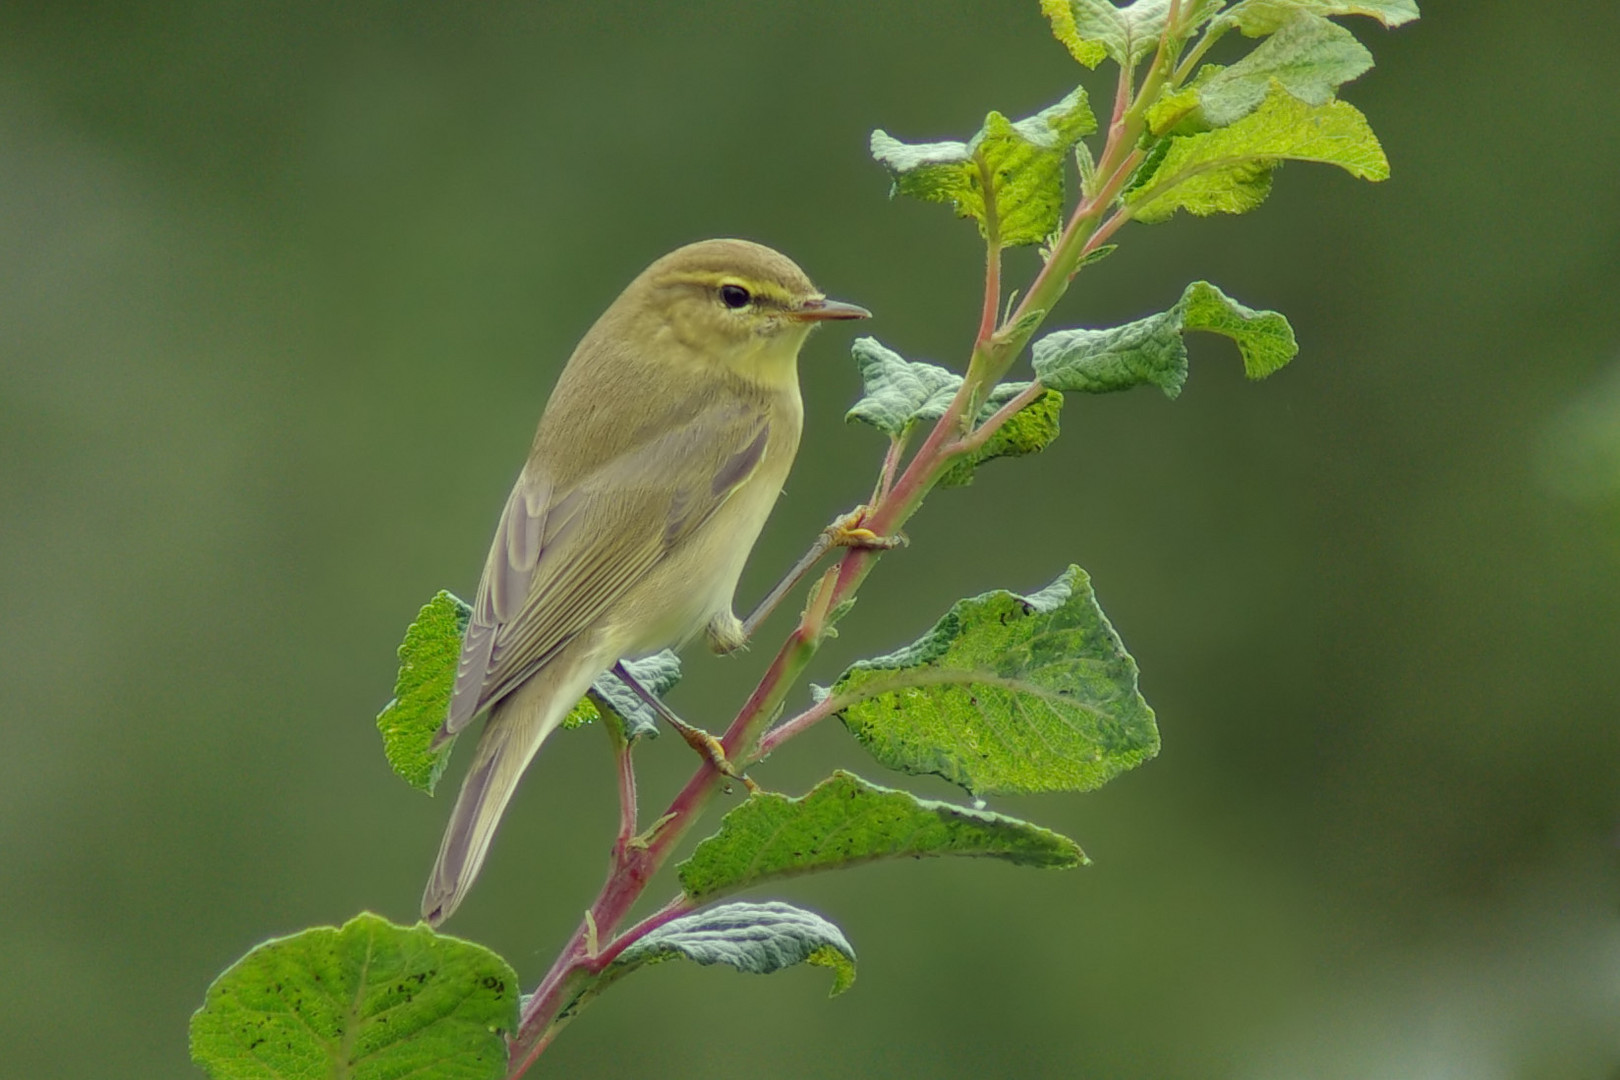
point(844, 532)
point(695, 737)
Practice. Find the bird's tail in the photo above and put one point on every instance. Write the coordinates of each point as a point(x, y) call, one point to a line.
point(512, 735)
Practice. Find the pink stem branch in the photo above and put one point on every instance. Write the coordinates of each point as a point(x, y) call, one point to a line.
point(627, 798)
point(787, 729)
point(981, 435)
point(639, 859)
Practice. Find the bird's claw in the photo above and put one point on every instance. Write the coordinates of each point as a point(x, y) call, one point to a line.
point(714, 751)
point(848, 532)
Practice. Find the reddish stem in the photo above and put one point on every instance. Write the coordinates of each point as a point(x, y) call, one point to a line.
point(627, 797)
point(638, 859)
point(992, 291)
point(787, 729)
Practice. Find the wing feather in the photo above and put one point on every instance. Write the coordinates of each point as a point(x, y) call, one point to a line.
point(560, 558)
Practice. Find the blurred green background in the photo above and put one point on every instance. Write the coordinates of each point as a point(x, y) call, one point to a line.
point(284, 287)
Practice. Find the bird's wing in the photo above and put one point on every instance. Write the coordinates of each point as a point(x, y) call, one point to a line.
point(560, 558)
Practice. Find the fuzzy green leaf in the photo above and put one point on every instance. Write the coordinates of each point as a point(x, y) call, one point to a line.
point(370, 1001)
point(1008, 177)
point(427, 674)
point(622, 707)
point(845, 821)
point(757, 939)
point(1007, 693)
point(1228, 170)
point(1061, 16)
point(1093, 29)
point(1151, 351)
point(1264, 338)
point(1256, 18)
point(1308, 56)
point(898, 392)
point(1028, 431)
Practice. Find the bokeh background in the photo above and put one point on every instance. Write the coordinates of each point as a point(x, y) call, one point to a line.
point(283, 287)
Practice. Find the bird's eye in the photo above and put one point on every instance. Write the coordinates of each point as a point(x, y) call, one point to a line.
point(734, 296)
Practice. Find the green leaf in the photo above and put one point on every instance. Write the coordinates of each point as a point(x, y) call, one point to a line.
point(1028, 431)
point(622, 707)
point(844, 821)
point(1092, 29)
point(1256, 18)
point(427, 674)
point(1008, 177)
point(898, 392)
point(1264, 338)
point(1308, 56)
point(1228, 170)
point(1006, 693)
point(1151, 351)
point(1061, 16)
point(758, 939)
point(372, 1001)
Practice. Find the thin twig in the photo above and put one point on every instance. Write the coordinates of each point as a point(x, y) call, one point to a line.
point(891, 463)
point(981, 435)
point(680, 905)
point(797, 725)
point(627, 796)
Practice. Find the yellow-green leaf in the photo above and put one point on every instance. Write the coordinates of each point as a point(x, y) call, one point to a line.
point(370, 1001)
point(1008, 177)
point(1228, 170)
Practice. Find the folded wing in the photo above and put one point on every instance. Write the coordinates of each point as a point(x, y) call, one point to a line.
point(563, 556)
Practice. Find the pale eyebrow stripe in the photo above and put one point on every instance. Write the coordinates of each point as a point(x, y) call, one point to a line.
point(767, 291)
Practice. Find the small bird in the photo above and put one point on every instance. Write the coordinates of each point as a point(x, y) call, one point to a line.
point(659, 456)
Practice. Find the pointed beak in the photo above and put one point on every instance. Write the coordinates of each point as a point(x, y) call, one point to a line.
point(820, 309)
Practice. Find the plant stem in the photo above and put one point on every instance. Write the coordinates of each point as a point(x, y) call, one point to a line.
point(891, 462)
point(627, 796)
point(992, 290)
point(787, 729)
point(981, 435)
point(637, 859)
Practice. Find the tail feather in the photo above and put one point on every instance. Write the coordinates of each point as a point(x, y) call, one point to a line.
point(512, 736)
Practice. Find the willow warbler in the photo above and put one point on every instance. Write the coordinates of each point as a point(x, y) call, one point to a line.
point(658, 459)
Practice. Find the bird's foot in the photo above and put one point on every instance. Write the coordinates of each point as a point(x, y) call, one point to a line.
point(712, 750)
point(848, 531)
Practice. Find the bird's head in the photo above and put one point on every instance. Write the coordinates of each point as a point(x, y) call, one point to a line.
point(735, 303)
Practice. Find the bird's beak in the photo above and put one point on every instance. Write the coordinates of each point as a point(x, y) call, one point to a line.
point(820, 309)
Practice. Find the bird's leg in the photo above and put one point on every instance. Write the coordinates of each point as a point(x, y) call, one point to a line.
point(705, 744)
point(845, 531)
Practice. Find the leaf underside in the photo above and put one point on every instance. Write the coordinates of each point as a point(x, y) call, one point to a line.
point(611, 700)
point(1150, 351)
point(757, 939)
point(900, 395)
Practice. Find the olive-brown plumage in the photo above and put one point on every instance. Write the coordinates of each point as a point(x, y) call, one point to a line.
point(660, 454)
